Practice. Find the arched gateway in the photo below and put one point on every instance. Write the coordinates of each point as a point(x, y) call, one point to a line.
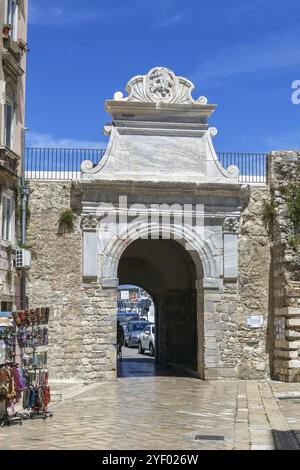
point(159, 211)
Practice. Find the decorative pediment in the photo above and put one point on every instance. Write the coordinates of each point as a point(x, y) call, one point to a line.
point(160, 85)
point(160, 132)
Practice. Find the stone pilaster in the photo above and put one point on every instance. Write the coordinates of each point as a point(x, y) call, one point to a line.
point(100, 333)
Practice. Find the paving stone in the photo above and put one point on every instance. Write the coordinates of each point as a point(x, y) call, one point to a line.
point(163, 412)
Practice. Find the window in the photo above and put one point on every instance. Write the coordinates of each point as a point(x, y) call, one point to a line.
point(11, 17)
point(6, 306)
point(7, 213)
point(9, 114)
point(9, 121)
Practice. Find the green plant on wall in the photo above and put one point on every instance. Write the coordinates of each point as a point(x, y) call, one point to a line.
point(294, 207)
point(295, 242)
point(18, 200)
point(19, 215)
point(291, 192)
point(66, 222)
point(269, 213)
point(29, 248)
point(9, 250)
point(9, 277)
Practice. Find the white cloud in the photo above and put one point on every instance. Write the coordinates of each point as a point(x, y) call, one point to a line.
point(36, 139)
point(274, 52)
point(52, 13)
point(42, 12)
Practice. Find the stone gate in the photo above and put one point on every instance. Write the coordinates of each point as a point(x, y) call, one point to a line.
point(159, 211)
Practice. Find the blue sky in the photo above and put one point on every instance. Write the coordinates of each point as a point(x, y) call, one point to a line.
point(241, 54)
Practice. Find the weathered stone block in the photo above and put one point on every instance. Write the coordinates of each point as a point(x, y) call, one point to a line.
point(292, 334)
point(209, 307)
point(261, 366)
point(293, 322)
point(216, 317)
point(294, 364)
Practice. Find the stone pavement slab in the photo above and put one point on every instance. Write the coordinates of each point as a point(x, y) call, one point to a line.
point(141, 413)
point(165, 412)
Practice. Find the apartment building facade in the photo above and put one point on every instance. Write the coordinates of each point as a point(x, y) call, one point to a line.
point(13, 49)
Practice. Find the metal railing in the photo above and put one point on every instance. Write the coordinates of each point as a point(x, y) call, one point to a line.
point(253, 166)
point(58, 163)
point(64, 163)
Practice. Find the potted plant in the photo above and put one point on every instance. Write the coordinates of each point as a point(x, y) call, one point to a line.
point(6, 29)
point(22, 45)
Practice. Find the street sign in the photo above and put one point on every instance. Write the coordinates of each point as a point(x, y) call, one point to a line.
point(125, 294)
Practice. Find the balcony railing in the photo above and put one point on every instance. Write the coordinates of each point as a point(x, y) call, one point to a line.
point(58, 163)
point(253, 166)
point(64, 164)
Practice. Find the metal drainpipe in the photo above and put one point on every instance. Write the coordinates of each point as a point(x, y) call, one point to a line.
point(24, 196)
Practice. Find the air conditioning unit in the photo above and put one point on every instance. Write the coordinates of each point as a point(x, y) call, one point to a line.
point(22, 258)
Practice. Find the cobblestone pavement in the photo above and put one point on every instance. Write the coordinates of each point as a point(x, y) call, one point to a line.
point(146, 411)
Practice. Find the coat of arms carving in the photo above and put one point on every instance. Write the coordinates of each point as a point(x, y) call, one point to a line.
point(160, 84)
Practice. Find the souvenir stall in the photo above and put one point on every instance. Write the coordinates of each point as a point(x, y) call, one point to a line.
point(7, 337)
point(32, 339)
point(11, 382)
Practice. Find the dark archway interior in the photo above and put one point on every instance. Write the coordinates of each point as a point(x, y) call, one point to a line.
point(166, 270)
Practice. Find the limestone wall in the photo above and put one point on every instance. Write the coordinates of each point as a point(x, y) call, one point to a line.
point(253, 287)
point(238, 350)
point(83, 326)
point(81, 321)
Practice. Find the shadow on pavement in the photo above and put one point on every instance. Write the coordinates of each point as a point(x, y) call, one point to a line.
point(146, 366)
point(286, 440)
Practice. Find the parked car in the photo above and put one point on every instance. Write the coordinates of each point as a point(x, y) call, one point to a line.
point(132, 332)
point(147, 340)
point(125, 317)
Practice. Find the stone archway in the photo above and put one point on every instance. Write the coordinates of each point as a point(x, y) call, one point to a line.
point(200, 281)
point(202, 251)
point(168, 273)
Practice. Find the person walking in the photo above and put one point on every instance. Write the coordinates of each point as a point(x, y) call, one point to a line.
point(120, 339)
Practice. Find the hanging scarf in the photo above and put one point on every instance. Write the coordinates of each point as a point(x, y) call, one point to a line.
point(18, 382)
point(47, 396)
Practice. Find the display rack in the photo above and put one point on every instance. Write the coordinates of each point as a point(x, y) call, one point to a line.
point(32, 337)
point(11, 384)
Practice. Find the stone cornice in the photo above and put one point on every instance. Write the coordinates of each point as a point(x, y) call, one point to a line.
point(94, 212)
point(130, 109)
point(160, 128)
point(8, 171)
point(163, 187)
point(9, 160)
point(10, 153)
